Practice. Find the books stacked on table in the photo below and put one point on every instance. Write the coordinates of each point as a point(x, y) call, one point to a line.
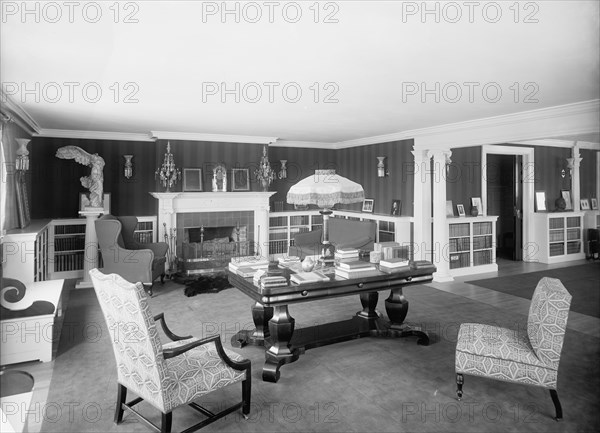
point(270, 281)
point(355, 269)
point(308, 277)
point(345, 254)
point(288, 260)
point(246, 266)
point(396, 264)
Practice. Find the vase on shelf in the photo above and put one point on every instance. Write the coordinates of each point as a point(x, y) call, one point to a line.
point(474, 211)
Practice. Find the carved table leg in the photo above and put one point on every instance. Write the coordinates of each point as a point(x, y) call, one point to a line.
point(396, 306)
point(261, 316)
point(369, 303)
point(280, 352)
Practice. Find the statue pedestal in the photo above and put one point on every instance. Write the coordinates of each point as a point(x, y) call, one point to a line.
point(90, 252)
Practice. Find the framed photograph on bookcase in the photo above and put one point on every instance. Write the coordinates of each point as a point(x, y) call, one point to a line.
point(584, 204)
point(396, 207)
point(540, 201)
point(461, 210)
point(566, 195)
point(241, 179)
point(476, 203)
point(368, 205)
point(594, 201)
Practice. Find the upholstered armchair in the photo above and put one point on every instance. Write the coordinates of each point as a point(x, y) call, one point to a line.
point(165, 375)
point(122, 255)
point(528, 356)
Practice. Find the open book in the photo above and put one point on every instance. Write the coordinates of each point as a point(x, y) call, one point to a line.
point(308, 277)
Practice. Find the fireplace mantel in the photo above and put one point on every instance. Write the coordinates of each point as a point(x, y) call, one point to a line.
point(172, 203)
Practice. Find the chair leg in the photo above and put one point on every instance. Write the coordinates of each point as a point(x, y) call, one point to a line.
point(557, 405)
point(167, 420)
point(459, 384)
point(246, 388)
point(121, 396)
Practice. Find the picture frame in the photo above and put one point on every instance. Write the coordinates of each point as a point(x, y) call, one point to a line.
point(476, 202)
point(540, 201)
point(240, 179)
point(449, 208)
point(396, 208)
point(192, 179)
point(584, 204)
point(566, 194)
point(84, 201)
point(461, 210)
point(23, 211)
point(594, 203)
point(368, 205)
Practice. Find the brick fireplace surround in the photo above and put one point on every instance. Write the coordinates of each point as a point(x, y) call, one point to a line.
point(187, 208)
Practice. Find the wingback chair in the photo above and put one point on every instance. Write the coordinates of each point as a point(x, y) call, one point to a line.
point(530, 356)
point(122, 255)
point(165, 375)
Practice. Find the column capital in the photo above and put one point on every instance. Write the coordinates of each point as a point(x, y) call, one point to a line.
point(438, 154)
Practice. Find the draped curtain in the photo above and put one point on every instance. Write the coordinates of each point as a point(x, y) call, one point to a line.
point(8, 198)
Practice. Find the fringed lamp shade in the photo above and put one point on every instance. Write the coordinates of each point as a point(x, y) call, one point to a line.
point(324, 189)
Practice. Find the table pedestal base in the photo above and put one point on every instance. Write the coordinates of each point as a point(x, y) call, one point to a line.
point(284, 345)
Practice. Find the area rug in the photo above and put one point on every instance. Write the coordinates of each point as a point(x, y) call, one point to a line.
point(203, 284)
point(582, 282)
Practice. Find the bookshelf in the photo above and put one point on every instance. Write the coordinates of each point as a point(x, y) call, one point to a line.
point(284, 225)
point(472, 245)
point(25, 252)
point(66, 248)
point(558, 237)
point(145, 232)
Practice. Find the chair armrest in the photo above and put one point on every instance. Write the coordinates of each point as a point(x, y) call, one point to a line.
point(174, 337)
point(158, 248)
point(133, 265)
point(236, 365)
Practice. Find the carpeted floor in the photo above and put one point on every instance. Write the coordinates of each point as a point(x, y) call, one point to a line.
point(369, 384)
point(582, 282)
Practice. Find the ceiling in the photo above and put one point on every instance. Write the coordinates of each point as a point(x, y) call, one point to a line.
point(371, 67)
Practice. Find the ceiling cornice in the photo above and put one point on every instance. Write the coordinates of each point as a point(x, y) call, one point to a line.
point(18, 114)
point(562, 120)
point(221, 138)
point(560, 143)
point(304, 144)
point(93, 135)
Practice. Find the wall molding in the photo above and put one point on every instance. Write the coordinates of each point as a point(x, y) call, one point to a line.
point(221, 138)
point(93, 135)
point(19, 115)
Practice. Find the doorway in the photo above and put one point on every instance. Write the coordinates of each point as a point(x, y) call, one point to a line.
point(505, 199)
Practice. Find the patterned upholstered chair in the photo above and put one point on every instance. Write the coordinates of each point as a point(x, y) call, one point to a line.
point(528, 356)
point(165, 375)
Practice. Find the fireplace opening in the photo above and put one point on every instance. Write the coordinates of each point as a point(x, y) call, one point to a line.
point(207, 249)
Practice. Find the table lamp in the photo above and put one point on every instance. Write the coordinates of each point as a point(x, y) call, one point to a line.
point(325, 188)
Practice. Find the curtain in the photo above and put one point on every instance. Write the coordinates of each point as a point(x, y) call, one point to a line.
point(8, 196)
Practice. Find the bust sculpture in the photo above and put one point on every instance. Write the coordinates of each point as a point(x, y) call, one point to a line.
point(94, 182)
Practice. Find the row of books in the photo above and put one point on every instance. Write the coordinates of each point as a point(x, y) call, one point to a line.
point(482, 242)
point(482, 257)
point(459, 244)
point(346, 254)
point(482, 228)
point(458, 230)
point(460, 260)
point(355, 268)
point(69, 229)
point(68, 262)
point(69, 244)
point(144, 237)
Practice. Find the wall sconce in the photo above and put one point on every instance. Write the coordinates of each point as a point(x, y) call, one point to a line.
point(572, 163)
point(381, 171)
point(128, 172)
point(283, 171)
point(22, 161)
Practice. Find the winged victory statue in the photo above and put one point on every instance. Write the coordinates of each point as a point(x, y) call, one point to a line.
point(93, 182)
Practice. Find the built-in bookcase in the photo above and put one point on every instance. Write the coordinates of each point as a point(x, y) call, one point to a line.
point(145, 231)
point(284, 225)
point(66, 248)
point(472, 245)
point(558, 237)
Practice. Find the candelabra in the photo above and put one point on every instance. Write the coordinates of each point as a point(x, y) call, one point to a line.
point(168, 173)
point(265, 174)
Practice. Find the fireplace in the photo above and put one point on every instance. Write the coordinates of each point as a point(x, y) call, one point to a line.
point(209, 218)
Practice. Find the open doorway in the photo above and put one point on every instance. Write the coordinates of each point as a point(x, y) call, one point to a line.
point(505, 199)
